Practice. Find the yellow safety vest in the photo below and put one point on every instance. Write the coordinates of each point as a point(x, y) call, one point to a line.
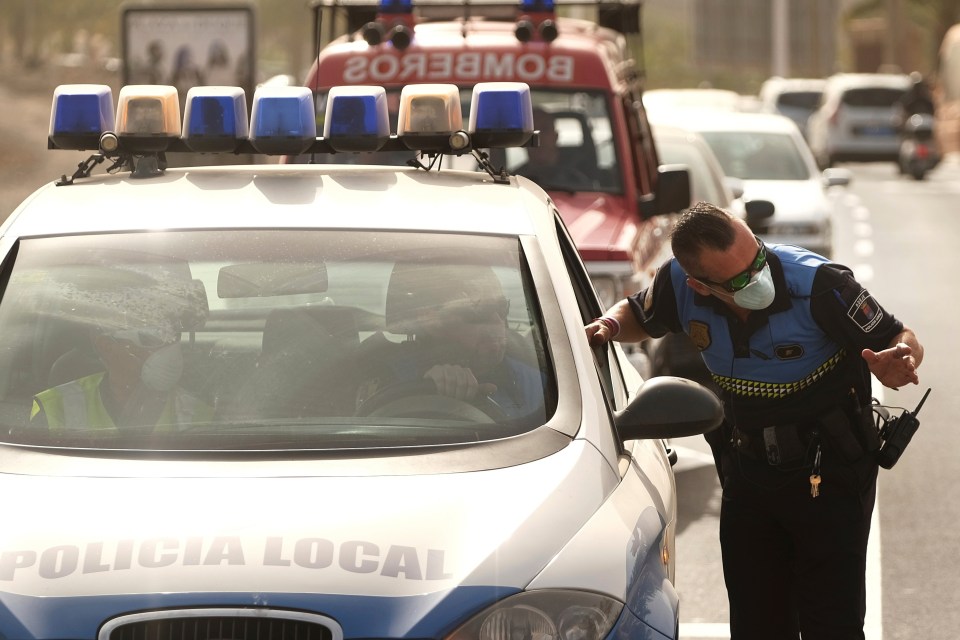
point(77, 405)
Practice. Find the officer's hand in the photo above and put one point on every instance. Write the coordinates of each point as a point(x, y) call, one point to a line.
point(893, 367)
point(458, 382)
point(597, 334)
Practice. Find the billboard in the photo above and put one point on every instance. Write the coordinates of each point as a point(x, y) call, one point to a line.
point(189, 45)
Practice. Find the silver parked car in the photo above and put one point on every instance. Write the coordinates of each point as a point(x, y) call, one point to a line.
point(857, 118)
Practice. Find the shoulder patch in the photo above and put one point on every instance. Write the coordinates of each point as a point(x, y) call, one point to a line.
point(699, 333)
point(865, 312)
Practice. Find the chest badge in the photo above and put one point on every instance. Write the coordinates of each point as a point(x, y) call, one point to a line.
point(789, 351)
point(699, 333)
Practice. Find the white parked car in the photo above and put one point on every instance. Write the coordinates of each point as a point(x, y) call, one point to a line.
point(857, 118)
point(769, 155)
point(195, 443)
point(795, 98)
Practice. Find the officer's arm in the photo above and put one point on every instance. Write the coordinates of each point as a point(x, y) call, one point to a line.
point(624, 328)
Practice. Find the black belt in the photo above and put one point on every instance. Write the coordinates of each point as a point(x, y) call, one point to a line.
point(776, 445)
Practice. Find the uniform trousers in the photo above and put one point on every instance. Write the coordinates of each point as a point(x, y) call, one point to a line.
point(795, 565)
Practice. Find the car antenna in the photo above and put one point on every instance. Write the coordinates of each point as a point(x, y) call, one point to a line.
point(318, 19)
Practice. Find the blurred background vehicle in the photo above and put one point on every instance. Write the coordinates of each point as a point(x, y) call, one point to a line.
point(919, 152)
point(668, 100)
point(795, 98)
point(768, 153)
point(857, 118)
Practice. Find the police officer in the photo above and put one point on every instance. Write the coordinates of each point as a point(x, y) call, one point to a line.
point(135, 332)
point(790, 340)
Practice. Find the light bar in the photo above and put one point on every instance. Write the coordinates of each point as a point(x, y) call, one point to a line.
point(356, 118)
point(395, 6)
point(501, 114)
point(148, 117)
point(80, 113)
point(282, 120)
point(215, 118)
point(429, 115)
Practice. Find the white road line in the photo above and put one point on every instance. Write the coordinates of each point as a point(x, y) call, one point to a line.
point(711, 630)
point(863, 273)
point(863, 248)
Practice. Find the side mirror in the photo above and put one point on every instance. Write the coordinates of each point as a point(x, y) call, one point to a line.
point(673, 191)
point(837, 177)
point(669, 407)
point(759, 213)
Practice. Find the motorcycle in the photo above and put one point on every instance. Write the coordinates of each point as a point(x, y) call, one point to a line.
point(918, 149)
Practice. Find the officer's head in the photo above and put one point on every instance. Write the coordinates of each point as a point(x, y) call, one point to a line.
point(722, 257)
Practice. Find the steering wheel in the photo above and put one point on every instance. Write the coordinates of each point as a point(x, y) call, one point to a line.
point(419, 399)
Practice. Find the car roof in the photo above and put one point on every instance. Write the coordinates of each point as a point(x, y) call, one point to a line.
point(732, 121)
point(778, 85)
point(286, 196)
point(848, 80)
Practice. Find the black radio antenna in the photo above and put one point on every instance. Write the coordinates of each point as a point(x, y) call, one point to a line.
point(318, 19)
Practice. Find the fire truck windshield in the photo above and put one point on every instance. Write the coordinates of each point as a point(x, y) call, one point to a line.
point(576, 152)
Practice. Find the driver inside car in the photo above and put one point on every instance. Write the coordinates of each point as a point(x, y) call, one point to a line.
point(459, 345)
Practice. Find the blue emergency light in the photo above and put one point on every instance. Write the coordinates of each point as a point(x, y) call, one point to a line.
point(356, 118)
point(536, 6)
point(395, 6)
point(501, 114)
point(80, 113)
point(215, 118)
point(282, 120)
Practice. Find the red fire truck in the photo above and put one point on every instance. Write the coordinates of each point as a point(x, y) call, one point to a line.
point(608, 186)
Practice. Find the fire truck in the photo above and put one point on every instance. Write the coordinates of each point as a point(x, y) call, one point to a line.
point(614, 197)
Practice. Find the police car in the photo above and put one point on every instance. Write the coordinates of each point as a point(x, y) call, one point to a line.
point(219, 418)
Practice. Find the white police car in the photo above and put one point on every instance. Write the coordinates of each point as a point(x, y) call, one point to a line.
point(215, 420)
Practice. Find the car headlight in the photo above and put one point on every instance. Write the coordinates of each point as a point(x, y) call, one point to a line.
point(544, 615)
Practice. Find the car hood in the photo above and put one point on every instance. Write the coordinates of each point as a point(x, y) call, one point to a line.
point(598, 222)
point(793, 200)
point(374, 536)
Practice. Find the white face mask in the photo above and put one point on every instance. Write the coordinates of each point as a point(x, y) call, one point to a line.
point(162, 369)
point(759, 293)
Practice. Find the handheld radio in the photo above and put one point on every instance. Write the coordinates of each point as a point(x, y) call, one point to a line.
point(895, 434)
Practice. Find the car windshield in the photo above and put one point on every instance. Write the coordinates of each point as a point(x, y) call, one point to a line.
point(756, 155)
point(872, 97)
point(801, 99)
point(581, 156)
point(268, 339)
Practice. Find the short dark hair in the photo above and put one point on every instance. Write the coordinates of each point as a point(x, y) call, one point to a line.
point(702, 226)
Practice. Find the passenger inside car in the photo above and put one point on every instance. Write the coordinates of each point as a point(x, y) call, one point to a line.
point(134, 329)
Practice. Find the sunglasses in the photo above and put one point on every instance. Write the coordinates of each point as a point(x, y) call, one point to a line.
point(481, 311)
point(742, 279)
